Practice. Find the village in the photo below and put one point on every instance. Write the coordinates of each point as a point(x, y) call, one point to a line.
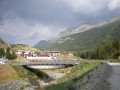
point(40, 56)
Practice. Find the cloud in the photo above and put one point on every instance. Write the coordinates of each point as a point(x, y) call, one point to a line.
point(29, 21)
point(114, 4)
point(18, 31)
point(45, 11)
point(85, 6)
point(91, 6)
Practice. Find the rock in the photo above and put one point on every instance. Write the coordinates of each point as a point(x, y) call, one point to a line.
point(17, 85)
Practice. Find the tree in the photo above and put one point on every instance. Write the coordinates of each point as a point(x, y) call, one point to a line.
point(8, 54)
point(13, 55)
point(102, 52)
point(108, 49)
point(116, 55)
point(116, 44)
point(2, 52)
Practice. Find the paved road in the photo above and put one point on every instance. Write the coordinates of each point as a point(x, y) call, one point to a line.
point(115, 77)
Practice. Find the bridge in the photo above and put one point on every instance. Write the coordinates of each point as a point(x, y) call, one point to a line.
point(55, 64)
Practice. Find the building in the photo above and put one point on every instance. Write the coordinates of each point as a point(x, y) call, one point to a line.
point(67, 54)
point(44, 58)
point(25, 53)
point(50, 53)
point(55, 53)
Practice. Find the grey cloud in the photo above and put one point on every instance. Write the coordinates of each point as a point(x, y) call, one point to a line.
point(28, 34)
point(39, 10)
point(28, 21)
point(114, 4)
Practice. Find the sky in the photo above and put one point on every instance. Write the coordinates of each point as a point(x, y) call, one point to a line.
point(29, 21)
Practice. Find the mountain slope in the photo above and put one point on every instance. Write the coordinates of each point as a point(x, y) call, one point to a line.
point(3, 44)
point(88, 39)
point(81, 28)
point(41, 43)
point(22, 47)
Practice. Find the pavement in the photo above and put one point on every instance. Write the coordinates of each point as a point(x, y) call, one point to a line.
point(114, 79)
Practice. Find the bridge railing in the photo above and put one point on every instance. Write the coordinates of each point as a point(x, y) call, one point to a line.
point(55, 62)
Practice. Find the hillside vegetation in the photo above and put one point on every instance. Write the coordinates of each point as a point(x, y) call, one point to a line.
point(87, 40)
point(41, 43)
point(105, 50)
point(22, 47)
point(11, 71)
point(76, 75)
point(3, 44)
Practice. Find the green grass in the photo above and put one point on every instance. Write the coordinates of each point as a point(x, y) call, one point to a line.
point(28, 72)
point(23, 73)
point(115, 60)
point(11, 71)
point(28, 85)
point(65, 57)
point(76, 74)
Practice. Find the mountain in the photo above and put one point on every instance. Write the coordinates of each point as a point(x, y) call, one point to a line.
point(41, 43)
point(88, 39)
point(81, 28)
point(3, 44)
point(1, 41)
point(22, 47)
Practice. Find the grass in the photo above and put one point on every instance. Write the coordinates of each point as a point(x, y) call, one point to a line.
point(7, 74)
point(21, 71)
point(12, 71)
point(23, 47)
point(115, 60)
point(76, 74)
point(28, 72)
point(28, 85)
point(65, 57)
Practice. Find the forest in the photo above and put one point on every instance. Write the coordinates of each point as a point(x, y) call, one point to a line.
point(105, 50)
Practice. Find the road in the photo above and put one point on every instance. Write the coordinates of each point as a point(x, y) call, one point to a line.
point(114, 79)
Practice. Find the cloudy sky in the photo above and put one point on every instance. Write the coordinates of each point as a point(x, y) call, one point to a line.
point(29, 21)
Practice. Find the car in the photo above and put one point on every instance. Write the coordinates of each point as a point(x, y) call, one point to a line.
point(6, 60)
point(2, 62)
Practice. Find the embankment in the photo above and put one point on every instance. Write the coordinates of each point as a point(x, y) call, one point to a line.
point(89, 75)
point(15, 77)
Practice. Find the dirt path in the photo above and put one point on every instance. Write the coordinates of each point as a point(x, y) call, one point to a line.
point(20, 58)
point(115, 77)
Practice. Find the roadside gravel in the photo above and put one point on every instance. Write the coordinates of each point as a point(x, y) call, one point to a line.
point(115, 77)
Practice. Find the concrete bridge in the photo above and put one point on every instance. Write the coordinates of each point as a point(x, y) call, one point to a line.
point(55, 64)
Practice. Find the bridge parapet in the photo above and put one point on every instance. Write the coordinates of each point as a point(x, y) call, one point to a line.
point(54, 62)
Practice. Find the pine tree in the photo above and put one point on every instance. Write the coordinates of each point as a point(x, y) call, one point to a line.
point(108, 49)
point(2, 52)
point(116, 44)
point(8, 54)
point(13, 55)
point(102, 52)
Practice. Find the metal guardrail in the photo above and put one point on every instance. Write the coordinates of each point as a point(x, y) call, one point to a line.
point(55, 62)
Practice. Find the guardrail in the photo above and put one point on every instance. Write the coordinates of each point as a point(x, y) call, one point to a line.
point(55, 62)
